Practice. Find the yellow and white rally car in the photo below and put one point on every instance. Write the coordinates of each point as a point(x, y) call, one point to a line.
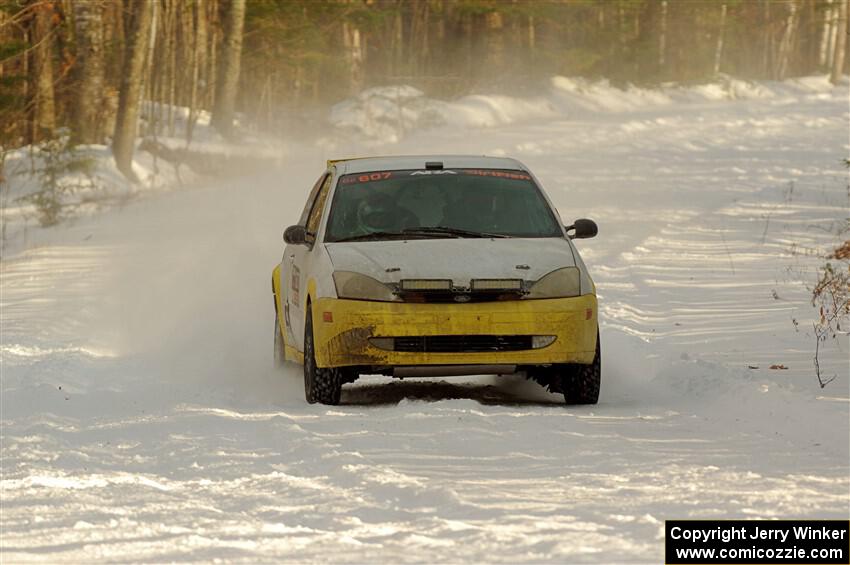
point(435, 266)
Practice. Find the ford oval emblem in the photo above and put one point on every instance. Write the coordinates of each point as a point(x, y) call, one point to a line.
point(462, 298)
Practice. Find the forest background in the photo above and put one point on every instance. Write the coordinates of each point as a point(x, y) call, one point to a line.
point(84, 67)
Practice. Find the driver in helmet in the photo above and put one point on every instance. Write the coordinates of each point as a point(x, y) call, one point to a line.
point(380, 213)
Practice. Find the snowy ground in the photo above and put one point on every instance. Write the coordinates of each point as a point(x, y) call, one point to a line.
point(85, 180)
point(141, 420)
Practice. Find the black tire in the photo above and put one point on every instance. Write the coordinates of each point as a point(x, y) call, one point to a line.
point(279, 354)
point(581, 385)
point(320, 385)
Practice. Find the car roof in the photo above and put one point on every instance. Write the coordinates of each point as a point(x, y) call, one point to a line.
point(403, 162)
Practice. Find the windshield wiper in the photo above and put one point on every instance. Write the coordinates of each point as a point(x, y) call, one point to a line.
point(430, 232)
point(457, 232)
point(378, 235)
point(372, 235)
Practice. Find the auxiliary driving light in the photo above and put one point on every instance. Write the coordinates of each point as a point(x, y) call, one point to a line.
point(496, 284)
point(425, 284)
point(541, 341)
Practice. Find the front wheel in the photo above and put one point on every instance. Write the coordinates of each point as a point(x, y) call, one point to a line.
point(581, 385)
point(320, 385)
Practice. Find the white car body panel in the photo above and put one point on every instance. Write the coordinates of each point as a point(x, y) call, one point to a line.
point(405, 162)
point(316, 273)
point(457, 259)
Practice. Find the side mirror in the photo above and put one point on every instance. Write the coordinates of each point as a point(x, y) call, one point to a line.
point(295, 235)
point(584, 229)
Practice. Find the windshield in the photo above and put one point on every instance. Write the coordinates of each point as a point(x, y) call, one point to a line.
point(457, 202)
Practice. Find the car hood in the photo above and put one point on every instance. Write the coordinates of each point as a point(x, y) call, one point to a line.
point(459, 259)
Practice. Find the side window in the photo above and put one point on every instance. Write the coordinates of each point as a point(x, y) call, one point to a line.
point(316, 213)
point(310, 199)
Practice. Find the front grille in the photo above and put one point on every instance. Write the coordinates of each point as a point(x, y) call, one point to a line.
point(456, 296)
point(461, 343)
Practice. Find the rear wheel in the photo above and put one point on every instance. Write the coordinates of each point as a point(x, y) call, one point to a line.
point(279, 354)
point(581, 385)
point(320, 385)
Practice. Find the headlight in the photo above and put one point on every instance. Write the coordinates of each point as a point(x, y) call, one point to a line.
point(361, 287)
point(561, 283)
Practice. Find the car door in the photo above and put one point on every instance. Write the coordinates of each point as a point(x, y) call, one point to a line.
point(297, 263)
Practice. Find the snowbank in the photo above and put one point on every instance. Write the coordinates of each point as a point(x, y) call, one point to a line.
point(387, 114)
point(83, 172)
point(54, 180)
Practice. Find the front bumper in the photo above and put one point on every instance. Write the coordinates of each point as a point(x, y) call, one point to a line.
point(342, 328)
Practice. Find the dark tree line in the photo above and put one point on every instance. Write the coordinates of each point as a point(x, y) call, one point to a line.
point(303, 53)
point(90, 65)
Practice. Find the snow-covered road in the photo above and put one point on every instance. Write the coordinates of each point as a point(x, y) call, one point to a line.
point(141, 420)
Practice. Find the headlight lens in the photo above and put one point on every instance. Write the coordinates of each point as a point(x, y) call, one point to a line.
point(360, 287)
point(561, 283)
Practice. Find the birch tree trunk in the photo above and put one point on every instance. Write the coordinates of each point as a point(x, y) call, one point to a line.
point(440, 27)
point(417, 41)
point(199, 38)
point(88, 23)
point(397, 42)
point(495, 39)
point(211, 74)
point(767, 53)
point(718, 52)
point(153, 78)
point(169, 17)
point(228, 79)
point(662, 36)
point(127, 119)
point(41, 72)
point(425, 46)
point(826, 32)
point(467, 27)
point(840, 43)
point(787, 41)
point(113, 40)
point(833, 36)
point(354, 57)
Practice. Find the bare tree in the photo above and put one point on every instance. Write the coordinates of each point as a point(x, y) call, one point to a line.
point(840, 43)
point(494, 23)
point(354, 56)
point(127, 119)
point(41, 71)
point(826, 33)
point(662, 35)
point(786, 44)
point(718, 52)
point(831, 296)
point(228, 79)
point(397, 41)
point(198, 64)
point(88, 24)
